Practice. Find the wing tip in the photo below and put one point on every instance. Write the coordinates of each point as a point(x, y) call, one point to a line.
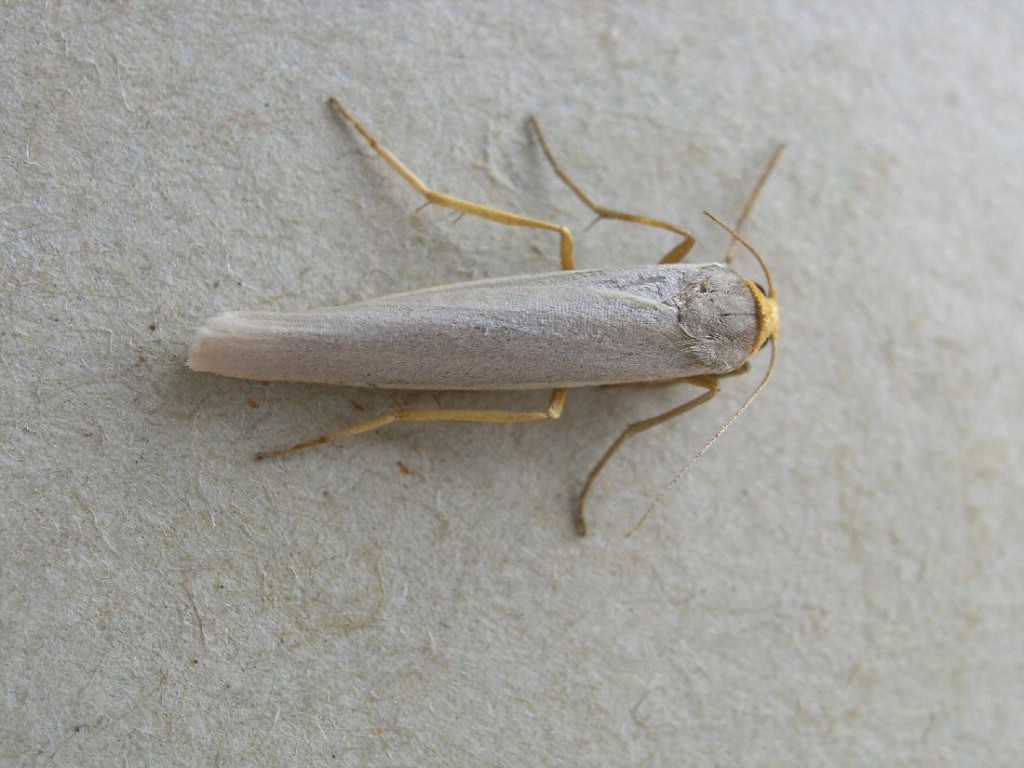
point(208, 339)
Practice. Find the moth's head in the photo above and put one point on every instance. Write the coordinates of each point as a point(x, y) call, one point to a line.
point(767, 309)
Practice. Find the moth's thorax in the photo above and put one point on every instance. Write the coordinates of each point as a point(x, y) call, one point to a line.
point(718, 318)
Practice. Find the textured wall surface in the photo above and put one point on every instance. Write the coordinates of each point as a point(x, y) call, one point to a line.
point(838, 582)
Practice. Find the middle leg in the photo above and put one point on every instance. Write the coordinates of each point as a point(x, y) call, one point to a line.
point(677, 254)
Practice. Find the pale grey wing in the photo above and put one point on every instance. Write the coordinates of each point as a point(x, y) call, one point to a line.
point(559, 329)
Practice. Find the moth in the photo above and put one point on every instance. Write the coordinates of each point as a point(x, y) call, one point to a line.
point(663, 323)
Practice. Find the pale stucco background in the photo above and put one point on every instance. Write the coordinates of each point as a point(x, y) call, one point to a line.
point(838, 582)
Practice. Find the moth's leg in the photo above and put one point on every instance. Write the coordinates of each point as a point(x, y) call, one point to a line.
point(455, 203)
point(709, 383)
point(748, 207)
point(677, 254)
point(554, 410)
